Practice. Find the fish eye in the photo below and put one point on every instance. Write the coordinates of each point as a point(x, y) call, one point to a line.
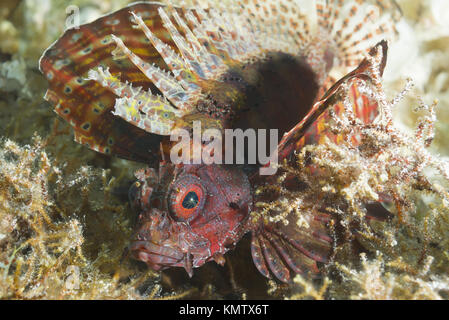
point(186, 201)
point(190, 201)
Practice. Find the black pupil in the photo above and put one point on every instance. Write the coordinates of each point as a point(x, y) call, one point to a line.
point(190, 200)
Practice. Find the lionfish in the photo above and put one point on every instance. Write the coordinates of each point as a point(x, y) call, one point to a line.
point(126, 81)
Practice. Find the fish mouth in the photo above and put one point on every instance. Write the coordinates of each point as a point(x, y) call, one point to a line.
point(156, 256)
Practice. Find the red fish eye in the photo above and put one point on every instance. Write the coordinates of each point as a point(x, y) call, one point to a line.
point(186, 202)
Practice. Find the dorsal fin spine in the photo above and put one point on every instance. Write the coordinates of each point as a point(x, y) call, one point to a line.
point(180, 68)
point(167, 84)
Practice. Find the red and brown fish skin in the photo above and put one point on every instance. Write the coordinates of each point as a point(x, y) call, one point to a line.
point(107, 80)
point(190, 238)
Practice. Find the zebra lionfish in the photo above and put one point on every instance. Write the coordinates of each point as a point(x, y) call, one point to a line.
point(126, 81)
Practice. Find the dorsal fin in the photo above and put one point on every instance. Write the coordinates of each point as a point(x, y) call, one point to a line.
point(176, 52)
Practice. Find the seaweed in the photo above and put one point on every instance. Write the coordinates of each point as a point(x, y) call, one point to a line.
point(405, 258)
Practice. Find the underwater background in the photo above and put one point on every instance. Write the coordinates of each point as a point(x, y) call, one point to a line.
point(65, 219)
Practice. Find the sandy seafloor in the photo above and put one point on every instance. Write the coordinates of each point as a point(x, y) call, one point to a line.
point(64, 220)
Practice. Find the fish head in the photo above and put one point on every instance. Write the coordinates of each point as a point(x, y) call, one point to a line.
point(189, 214)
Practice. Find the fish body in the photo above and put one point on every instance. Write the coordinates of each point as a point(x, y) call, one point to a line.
point(128, 80)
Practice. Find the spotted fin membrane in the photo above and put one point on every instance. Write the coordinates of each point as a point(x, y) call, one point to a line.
point(128, 79)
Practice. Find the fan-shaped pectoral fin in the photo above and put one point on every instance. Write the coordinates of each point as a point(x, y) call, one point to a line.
point(284, 251)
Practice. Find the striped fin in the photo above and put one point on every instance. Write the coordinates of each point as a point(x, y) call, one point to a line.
point(329, 33)
point(166, 83)
point(176, 63)
point(287, 250)
point(178, 52)
point(283, 249)
point(87, 105)
point(203, 56)
point(311, 129)
point(356, 25)
point(183, 45)
point(149, 112)
point(112, 82)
